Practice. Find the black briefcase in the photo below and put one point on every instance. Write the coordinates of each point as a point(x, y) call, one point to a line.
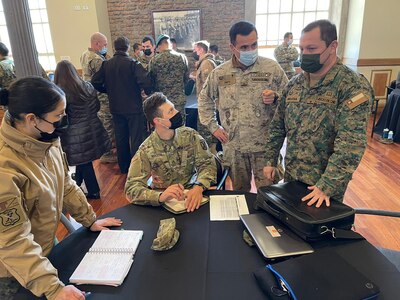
point(283, 201)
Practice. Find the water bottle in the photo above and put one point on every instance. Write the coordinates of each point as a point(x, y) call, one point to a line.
point(390, 135)
point(385, 133)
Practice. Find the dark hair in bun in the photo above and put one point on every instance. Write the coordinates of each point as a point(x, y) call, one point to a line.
point(32, 94)
point(4, 97)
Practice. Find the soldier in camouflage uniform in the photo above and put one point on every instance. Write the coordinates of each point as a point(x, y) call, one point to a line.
point(91, 61)
point(7, 72)
point(246, 87)
point(323, 113)
point(204, 66)
point(285, 54)
point(171, 155)
point(149, 51)
point(169, 72)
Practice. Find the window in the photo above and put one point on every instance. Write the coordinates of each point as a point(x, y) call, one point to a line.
point(276, 17)
point(41, 31)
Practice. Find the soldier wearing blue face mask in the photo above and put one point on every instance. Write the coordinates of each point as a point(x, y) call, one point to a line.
point(245, 89)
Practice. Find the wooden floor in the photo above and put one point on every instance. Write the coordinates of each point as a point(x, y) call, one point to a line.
point(375, 185)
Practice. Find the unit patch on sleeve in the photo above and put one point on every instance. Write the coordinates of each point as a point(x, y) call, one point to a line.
point(11, 214)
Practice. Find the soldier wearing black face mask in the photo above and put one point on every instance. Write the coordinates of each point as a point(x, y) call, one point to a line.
point(148, 46)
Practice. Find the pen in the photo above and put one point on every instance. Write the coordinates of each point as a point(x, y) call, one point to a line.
point(87, 294)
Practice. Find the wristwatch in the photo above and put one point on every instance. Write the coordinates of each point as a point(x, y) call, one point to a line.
point(200, 184)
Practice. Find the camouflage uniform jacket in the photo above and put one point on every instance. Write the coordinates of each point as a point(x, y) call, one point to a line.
point(169, 162)
point(325, 126)
point(91, 63)
point(35, 186)
point(205, 66)
point(169, 73)
point(285, 56)
point(145, 63)
point(243, 114)
point(7, 73)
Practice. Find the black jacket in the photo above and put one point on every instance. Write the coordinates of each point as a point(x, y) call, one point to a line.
point(85, 139)
point(122, 78)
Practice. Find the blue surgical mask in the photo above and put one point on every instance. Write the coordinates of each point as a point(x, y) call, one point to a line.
point(103, 50)
point(248, 57)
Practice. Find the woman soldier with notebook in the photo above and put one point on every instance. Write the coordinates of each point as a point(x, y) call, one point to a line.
point(35, 185)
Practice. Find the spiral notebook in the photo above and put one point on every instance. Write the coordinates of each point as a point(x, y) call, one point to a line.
point(110, 258)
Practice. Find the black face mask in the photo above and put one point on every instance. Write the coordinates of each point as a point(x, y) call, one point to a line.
point(196, 56)
point(311, 62)
point(147, 52)
point(176, 121)
point(59, 126)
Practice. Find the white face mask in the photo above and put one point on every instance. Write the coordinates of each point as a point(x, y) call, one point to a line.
point(290, 42)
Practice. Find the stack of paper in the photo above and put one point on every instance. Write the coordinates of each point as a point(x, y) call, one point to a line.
point(109, 259)
point(227, 207)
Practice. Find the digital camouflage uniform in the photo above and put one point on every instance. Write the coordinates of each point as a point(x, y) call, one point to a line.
point(325, 126)
point(243, 114)
point(169, 73)
point(91, 62)
point(7, 73)
point(285, 56)
point(204, 67)
point(169, 162)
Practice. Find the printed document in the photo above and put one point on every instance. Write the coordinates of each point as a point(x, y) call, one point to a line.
point(227, 207)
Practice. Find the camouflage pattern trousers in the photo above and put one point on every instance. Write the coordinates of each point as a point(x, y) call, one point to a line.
point(8, 288)
point(106, 118)
point(243, 166)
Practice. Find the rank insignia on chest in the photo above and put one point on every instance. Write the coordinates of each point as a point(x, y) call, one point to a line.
point(260, 76)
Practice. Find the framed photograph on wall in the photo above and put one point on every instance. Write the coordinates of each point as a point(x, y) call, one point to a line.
point(183, 25)
point(380, 79)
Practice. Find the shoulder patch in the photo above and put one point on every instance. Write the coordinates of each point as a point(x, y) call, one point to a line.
point(203, 144)
point(11, 214)
point(356, 100)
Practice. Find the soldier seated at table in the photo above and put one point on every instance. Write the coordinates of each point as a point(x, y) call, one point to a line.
point(171, 155)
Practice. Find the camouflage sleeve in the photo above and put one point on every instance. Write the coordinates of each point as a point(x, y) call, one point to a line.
point(293, 55)
point(205, 162)
point(276, 134)
point(136, 188)
point(281, 80)
point(95, 64)
point(206, 103)
point(186, 74)
point(206, 68)
point(350, 142)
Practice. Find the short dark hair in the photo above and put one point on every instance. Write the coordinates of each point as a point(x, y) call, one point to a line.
point(214, 48)
point(327, 29)
point(121, 44)
point(3, 49)
point(173, 40)
point(149, 38)
point(32, 94)
point(136, 46)
point(242, 28)
point(287, 35)
point(151, 106)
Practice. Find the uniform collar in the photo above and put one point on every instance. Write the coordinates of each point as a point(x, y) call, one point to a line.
point(159, 144)
point(24, 144)
point(237, 64)
point(207, 56)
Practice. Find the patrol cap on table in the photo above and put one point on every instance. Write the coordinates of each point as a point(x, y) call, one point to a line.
point(167, 235)
point(162, 37)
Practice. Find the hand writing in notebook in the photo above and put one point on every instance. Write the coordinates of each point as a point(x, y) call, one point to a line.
point(193, 198)
point(174, 191)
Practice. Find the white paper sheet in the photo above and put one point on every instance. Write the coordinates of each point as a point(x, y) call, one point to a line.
point(227, 207)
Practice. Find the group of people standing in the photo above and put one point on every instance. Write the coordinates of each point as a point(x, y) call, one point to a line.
point(322, 112)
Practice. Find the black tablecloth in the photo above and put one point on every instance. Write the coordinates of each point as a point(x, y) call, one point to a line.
point(390, 117)
point(210, 260)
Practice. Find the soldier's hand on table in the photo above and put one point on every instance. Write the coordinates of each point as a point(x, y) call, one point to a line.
point(70, 292)
point(173, 191)
point(193, 198)
point(221, 135)
point(268, 96)
point(316, 196)
point(103, 224)
point(269, 173)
